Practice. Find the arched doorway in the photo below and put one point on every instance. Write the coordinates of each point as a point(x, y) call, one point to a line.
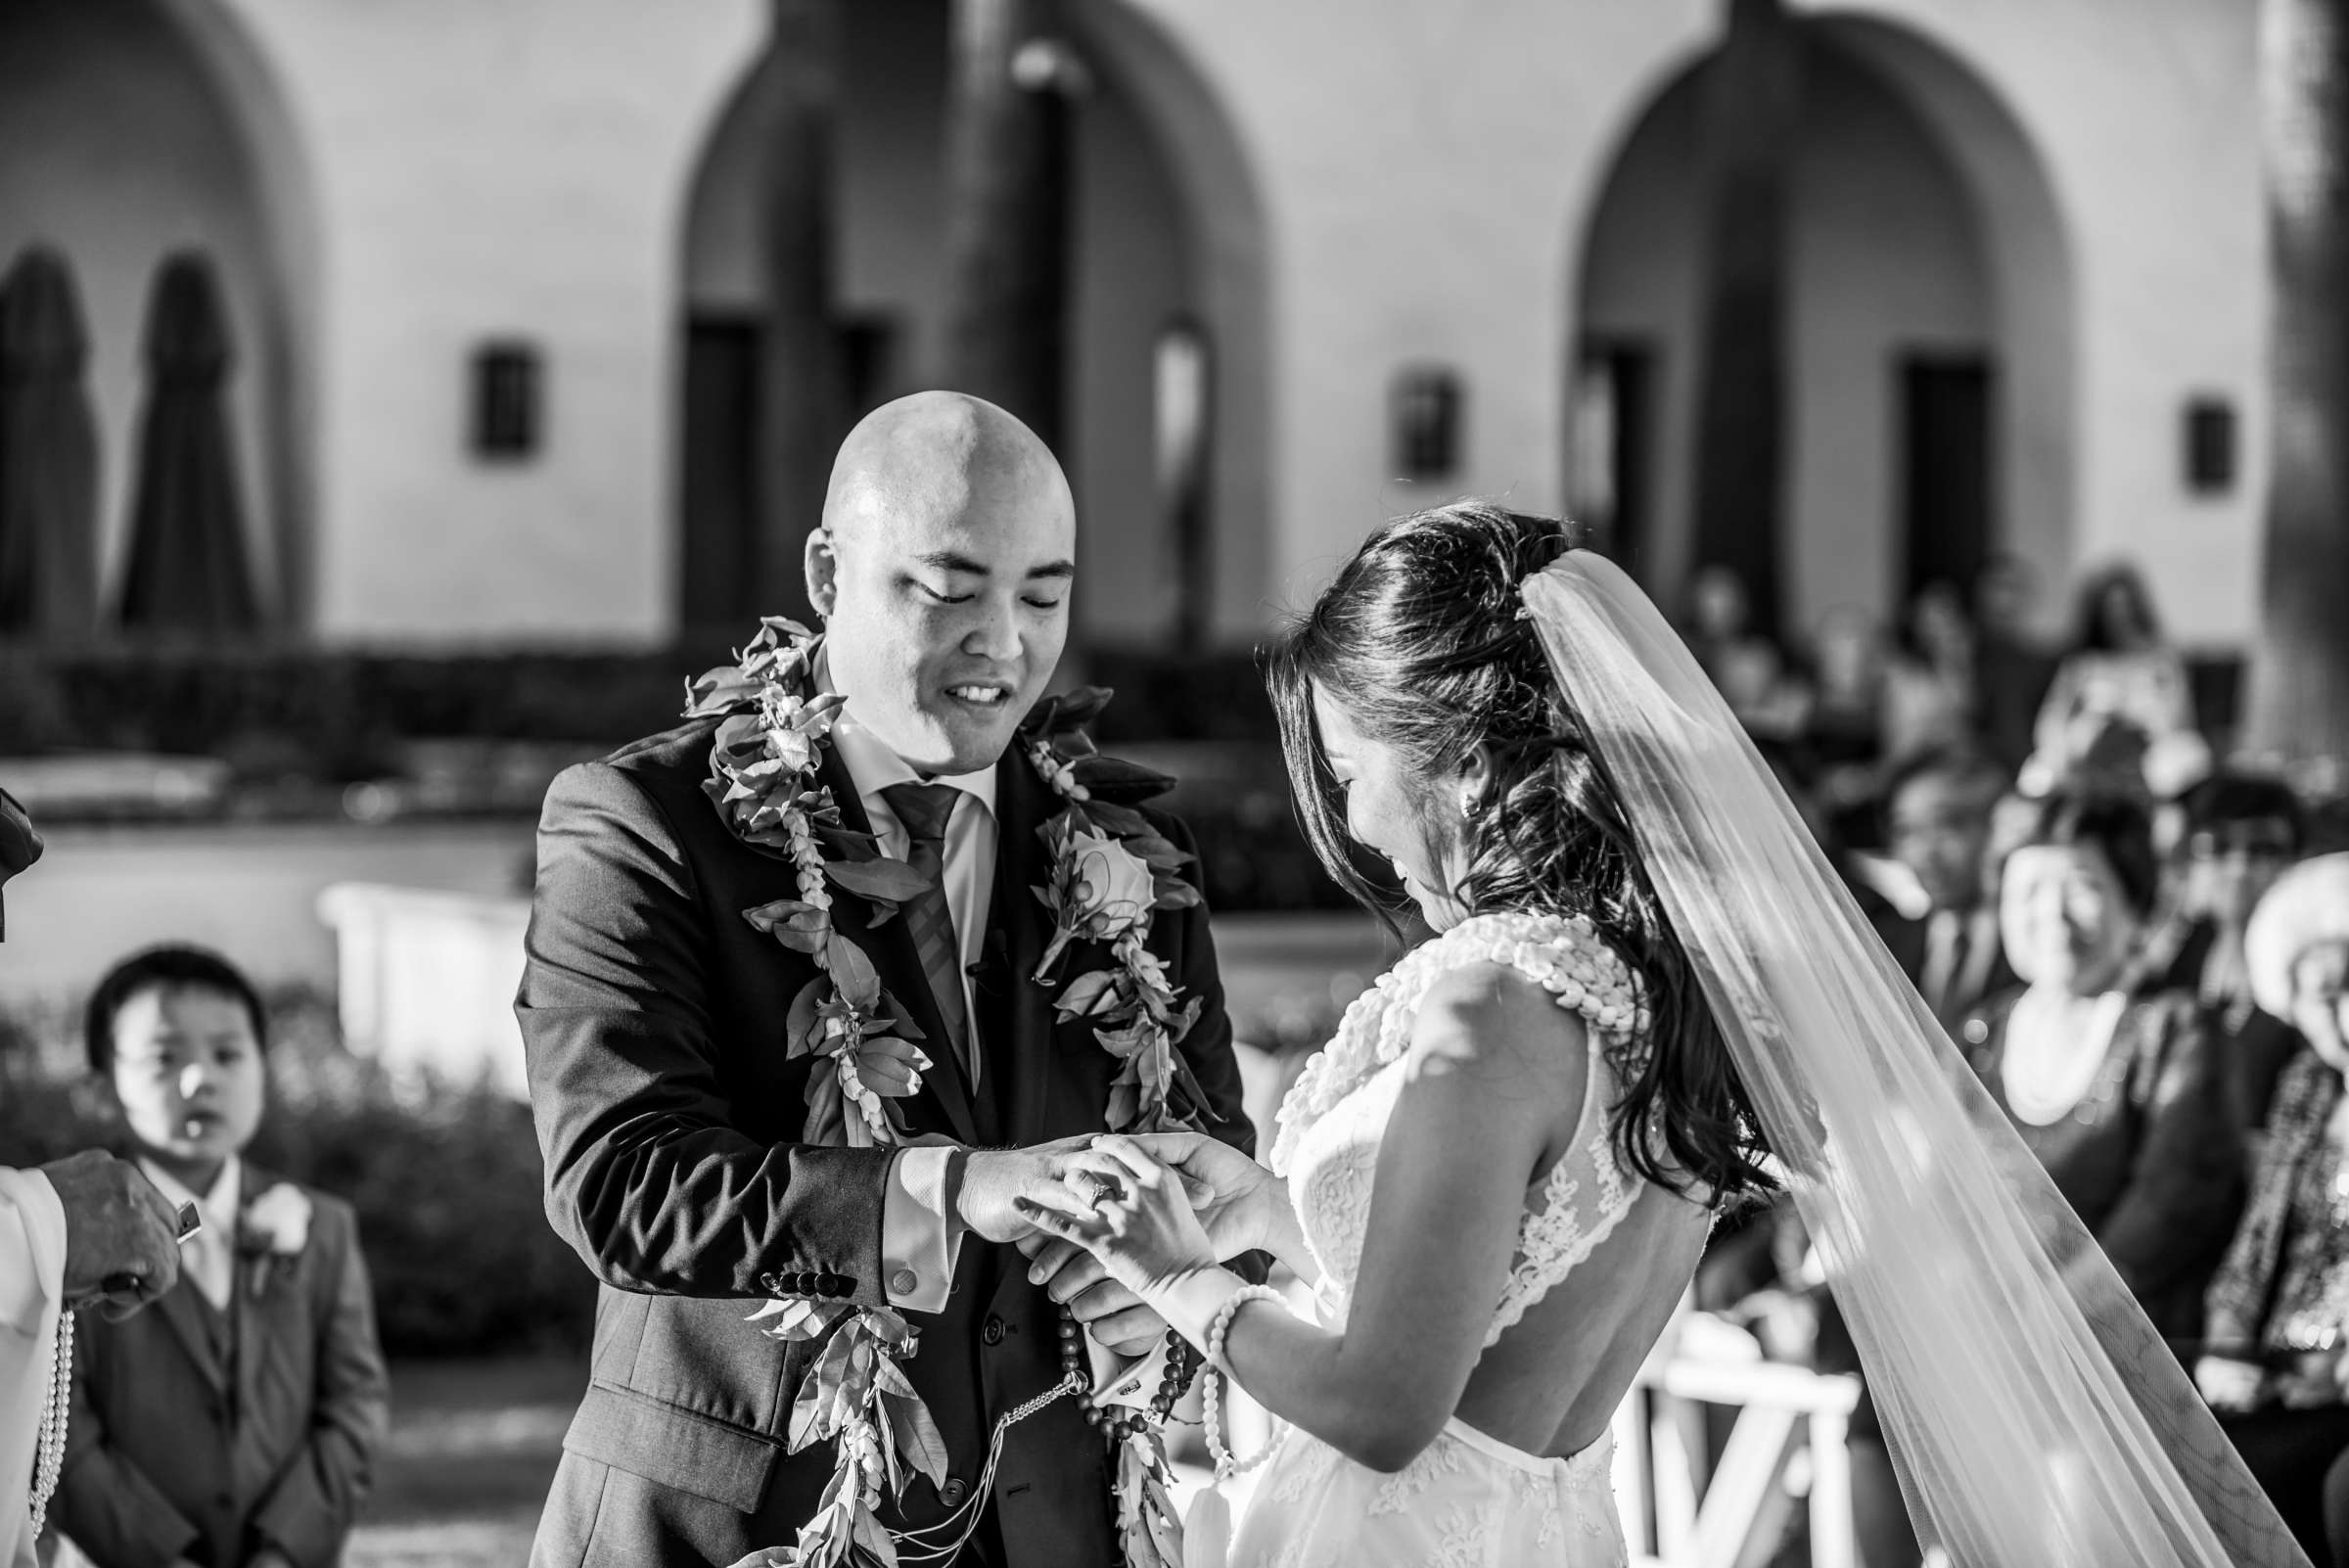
point(130, 129)
point(1928, 331)
point(1166, 239)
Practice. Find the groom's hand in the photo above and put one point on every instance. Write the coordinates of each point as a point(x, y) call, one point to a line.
point(993, 1180)
point(1112, 1313)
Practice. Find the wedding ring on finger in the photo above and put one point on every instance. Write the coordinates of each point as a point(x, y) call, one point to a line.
point(1101, 1190)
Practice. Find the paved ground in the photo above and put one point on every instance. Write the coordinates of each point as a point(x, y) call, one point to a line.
point(473, 1446)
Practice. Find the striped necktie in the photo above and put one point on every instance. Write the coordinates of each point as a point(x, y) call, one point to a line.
point(924, 810)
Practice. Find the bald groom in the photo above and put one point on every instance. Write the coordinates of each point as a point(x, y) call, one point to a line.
point(653, 1016)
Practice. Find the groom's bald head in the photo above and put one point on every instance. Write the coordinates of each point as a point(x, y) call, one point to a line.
point(939, 452)
point(943, 567)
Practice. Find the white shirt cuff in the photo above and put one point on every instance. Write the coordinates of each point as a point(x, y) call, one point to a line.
point(918, 1239)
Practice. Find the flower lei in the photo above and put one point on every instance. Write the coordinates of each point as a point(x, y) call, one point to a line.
point(1110, 872)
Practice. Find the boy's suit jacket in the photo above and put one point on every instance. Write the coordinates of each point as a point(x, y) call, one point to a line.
point(653, 1015)
point(202, 1435)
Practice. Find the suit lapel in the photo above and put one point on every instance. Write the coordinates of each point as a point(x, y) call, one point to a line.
point(1024, 1056)
point(192, 1319)
point(891, 948)
point(254, 1316)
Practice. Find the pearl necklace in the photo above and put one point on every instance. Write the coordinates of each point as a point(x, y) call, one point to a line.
point(56, 1408)
point(2054, 1049)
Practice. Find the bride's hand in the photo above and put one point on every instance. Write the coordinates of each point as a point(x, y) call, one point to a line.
point(1242, 1206)
point(1126, 1210)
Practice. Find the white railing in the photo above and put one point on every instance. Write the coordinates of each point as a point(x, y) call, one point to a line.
point(1681, 1512)
point(426, 979)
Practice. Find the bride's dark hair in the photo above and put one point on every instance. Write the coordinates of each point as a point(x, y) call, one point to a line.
point(1422, 641)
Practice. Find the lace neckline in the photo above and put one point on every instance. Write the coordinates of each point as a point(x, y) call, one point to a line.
point(1563, 953)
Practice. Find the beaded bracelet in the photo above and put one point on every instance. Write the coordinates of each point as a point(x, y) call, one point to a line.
point(1219, 1371)
point(1180, 1365)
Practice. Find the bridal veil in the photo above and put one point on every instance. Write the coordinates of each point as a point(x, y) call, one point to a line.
point(2033, 1414)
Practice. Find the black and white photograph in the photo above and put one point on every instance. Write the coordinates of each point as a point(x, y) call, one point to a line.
point(1174, 784)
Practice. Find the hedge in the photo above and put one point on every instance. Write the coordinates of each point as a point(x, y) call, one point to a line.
point(445, 1177)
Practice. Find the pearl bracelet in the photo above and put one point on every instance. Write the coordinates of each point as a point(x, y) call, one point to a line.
point(1218, 1372)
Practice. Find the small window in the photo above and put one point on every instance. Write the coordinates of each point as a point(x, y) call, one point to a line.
point(1426, 410)
point(2209, 445)
point(507, 392)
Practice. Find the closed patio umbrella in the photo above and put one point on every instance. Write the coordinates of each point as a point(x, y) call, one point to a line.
point(48, 453)
point(187, 569)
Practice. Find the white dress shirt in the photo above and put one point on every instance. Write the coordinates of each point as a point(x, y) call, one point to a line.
point(33, 1288)
point(1945, 980)
point(970, 848)
point(210, 1256)
point(918, 1239)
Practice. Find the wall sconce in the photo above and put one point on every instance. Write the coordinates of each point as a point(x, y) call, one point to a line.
point(1425, 409)
point(508, 400)
point(2210, 435)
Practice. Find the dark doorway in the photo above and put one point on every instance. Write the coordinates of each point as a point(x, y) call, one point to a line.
point(1610, 442)
point(1944, 469)
point(719, 482)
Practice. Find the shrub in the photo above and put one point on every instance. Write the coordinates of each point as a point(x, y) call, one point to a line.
point(445, 1177)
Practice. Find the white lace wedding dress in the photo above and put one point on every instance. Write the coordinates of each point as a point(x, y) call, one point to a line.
point(1470, 1500)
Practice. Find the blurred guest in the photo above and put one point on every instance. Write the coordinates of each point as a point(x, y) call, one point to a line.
point(2112, 1088)
point(1938, 807)
point(2240, 833)
point(2274, 1363)
point(1929, 697)
point(1937, 811)
point(2120, 676)
point(2011, 669)
point(1845, 723)
point(234, 1425)
point(1747, 668)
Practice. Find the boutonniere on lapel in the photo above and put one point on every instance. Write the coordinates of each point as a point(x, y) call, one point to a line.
point(1109, 872)
point(271, 1233)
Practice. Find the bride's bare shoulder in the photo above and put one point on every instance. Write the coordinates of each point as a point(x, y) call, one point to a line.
point(1492, 1015)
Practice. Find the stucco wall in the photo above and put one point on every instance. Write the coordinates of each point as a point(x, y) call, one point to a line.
point(1428, 182)
point(1130, 274)
point(2145, 117)
point(515, 170)
point(117, 149)
point(1418, 189)
point(1883, 259)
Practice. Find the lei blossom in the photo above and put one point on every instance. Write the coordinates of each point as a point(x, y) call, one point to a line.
point(1110, 871)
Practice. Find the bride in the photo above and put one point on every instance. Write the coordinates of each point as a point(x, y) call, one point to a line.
point(1498, 1176)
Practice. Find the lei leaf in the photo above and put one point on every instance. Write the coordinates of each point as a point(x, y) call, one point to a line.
point(852, 972)
point(766, 752)
point(918, 1439)
point(891, 882)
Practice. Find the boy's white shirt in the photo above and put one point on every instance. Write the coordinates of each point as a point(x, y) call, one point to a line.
point(208, 1257)
point(32, 1285)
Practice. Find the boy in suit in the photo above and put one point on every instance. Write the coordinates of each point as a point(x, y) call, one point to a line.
point(234, 1425)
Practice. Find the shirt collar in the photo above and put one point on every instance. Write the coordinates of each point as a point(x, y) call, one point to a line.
point(875, 765)
point(218, 1205)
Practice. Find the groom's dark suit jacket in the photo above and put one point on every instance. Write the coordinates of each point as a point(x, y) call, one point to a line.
point(653, 1015)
